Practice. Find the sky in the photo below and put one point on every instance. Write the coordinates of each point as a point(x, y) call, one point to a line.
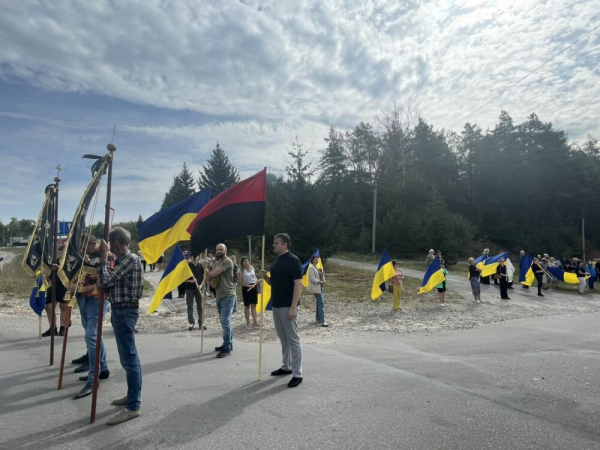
point(176, 77)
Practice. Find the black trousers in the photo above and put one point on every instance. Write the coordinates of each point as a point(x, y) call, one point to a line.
point(503, 288)
point(540, 281)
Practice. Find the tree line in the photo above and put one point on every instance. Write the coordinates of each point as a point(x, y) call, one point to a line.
point(513, 186)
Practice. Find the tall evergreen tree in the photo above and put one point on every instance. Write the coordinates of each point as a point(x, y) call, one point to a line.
point(333, 162)
point(218, 173)
point(299, 173)
point(182, 187)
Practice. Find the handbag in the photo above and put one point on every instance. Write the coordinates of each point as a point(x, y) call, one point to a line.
point(390, 288)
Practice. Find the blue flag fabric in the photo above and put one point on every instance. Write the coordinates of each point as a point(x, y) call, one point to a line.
point(385, 271)
point(37, 299)
point(305, 267)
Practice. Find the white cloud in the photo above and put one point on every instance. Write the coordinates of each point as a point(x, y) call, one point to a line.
point(262, 72)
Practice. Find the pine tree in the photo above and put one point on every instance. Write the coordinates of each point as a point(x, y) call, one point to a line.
point(218, 174)
point(182, 187)
point(298, 173)
point(334, 162)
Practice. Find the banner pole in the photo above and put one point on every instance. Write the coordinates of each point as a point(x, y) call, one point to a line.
point(54, 269)
point(64, 349)
point(111, 148)
point(40, 326)
point(203, 304)
point(262, 311)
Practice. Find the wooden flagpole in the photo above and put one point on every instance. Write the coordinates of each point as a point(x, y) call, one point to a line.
point(39, 327)
point(262, 311)
point(111, 148)
point(54, 269)
point(203, 304)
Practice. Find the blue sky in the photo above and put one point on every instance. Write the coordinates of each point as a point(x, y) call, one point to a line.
point(175, 77)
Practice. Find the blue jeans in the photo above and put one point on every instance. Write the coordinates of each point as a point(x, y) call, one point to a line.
point(123, 322)
point(89, 308)
point(320, 308)
point(225, 309)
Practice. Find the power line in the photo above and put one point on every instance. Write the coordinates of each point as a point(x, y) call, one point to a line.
point(530, 73)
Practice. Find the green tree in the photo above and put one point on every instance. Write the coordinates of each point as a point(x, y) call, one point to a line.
point(181, 188)
point(334, 161)
point(218, 174)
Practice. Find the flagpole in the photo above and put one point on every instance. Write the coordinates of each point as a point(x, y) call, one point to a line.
point(262, 311)
point(203, 304)
point(111, 148)
point(64, 347)
point(40, 326)
point(54, 269)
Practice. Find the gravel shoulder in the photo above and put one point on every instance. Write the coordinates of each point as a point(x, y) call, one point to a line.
point(419, 314)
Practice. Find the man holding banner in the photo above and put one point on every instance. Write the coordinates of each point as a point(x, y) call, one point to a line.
point(123, 285)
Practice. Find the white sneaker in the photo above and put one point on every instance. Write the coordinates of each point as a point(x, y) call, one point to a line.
point(443, 304)
point(477, 301)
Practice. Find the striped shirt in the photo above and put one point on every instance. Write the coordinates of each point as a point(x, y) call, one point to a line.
point(124, 283)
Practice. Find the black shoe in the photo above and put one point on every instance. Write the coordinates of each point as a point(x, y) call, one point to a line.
point(540, 295)
point(191, 327)
point(49, 332)
point(200, 326)
point(218, 349)
point(103, 376)
point(82, 368)
point(61, 331)
point(81, 360)
point(224, 352)
point(294, 382)
point(280, 372)
point(85, 391)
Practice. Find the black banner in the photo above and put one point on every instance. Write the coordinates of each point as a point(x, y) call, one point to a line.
point(39, 253)
point(74, 252)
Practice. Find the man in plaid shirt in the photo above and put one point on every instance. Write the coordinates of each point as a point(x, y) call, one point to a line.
point(123, 285)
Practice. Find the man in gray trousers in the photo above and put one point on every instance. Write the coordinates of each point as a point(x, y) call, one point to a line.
point(286, 287)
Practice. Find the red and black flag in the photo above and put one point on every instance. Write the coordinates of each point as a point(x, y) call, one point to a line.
point(238, 211)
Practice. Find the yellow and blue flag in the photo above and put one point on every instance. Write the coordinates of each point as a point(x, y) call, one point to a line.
point(37, 299)
point(385, 272)
point(169, 226)
point(434, 275)
point(307, 264)
point(567, 277)
point(488, 266)
point(176, 272)
point(264, 298)
point(526, 275)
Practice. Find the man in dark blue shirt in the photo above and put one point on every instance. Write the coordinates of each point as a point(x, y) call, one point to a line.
point(286, 287)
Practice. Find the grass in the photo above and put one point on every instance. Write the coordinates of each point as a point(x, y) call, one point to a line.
point(345, 284)
point(14, 281)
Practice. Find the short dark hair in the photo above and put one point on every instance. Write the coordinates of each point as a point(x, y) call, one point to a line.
point(284, 238)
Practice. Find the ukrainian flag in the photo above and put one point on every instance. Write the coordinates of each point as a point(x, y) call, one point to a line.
point(37, 299)
point(488, 266)
point(561, 275)
point(526, 275)
point(434, 275)
point(307, 264)
point(169, 226)
point(176, 272)
point(264, 298)
point(385, 272)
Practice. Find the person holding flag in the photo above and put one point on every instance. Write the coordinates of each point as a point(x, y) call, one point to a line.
point(385, 272)
point(538, 273)
point(286, 286)
point(435, 276)
point(316, 280)
point(442, 287)
point(396, 283)
point(123, 285)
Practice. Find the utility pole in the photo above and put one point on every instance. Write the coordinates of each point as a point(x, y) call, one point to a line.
point(583, 235)
point(374, 219)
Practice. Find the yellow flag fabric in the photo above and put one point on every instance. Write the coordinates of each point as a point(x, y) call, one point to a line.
point(385, 272)
point(529, 278)
point(434, 275)
point(176, 272)
point(264, 298)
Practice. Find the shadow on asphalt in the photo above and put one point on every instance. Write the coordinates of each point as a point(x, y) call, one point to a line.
point(195, 421)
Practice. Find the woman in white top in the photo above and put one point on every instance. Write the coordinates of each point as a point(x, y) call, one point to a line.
point(315, 283)
point(247, 279)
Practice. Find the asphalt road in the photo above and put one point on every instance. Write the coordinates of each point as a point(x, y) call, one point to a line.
point(526, 384)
